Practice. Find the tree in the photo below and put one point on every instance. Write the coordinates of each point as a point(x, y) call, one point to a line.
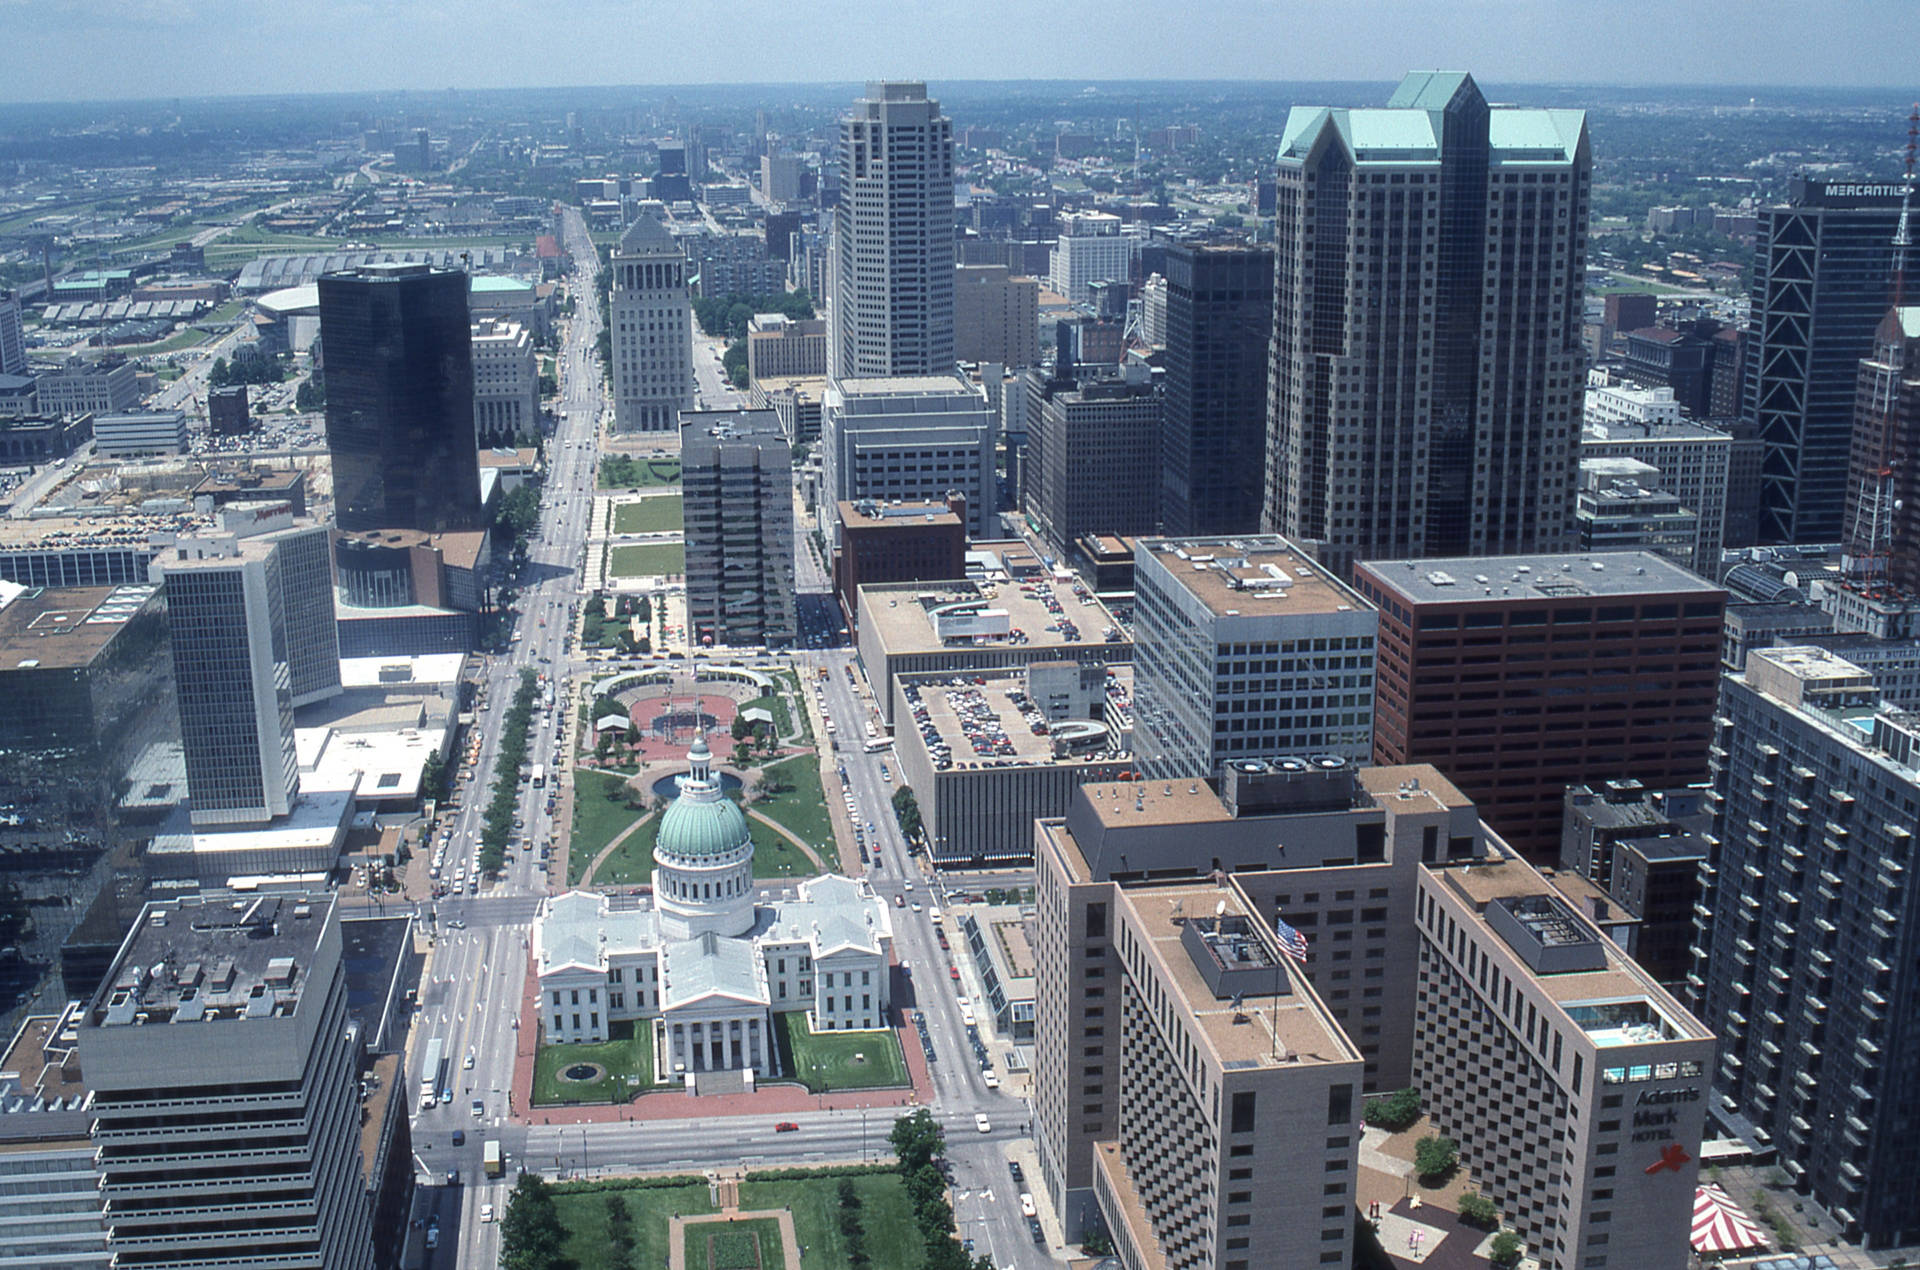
point(311, 395)
point(433, 776)
point(1506, 1249)
point(1435, 1156)
point(531, 1236)
point(916, 1139)
point(734, 362)
point(907, 808)
point(740, 727)
point(1394, 1111)
point(1477, 1210)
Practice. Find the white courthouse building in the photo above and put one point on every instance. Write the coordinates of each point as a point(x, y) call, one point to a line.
point(708, 965)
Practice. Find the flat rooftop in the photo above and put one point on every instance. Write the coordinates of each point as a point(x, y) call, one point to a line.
point(1619, 980)
point(1268, 1028)
point(64, 628)
point(1503, 579)
point(1039, 614)
point(990, 720)
point(214, 957)
point(906, 385)
point(1131, 804)
point(805, 385)
point(43, 1060)
point(1256, 575)
point(460, 548)
point(870, 514)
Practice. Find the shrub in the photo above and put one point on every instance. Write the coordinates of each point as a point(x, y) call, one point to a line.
point(1477, 1210)
point(1435, 1156)
point(1506, 1249)
point(1394, 1111)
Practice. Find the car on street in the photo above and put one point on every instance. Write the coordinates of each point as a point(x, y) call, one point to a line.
point(486, 1212)
point(1033, 1229)
point(459, 1137)
point(1019, 1174)
point(981, 1123)
point(1026, 1205)
point(915, 906)
point(786, 1126)
point(446, 1096)
point(479, 1109)
point(468, 1064)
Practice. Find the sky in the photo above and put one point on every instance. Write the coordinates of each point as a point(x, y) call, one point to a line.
point(114, 49)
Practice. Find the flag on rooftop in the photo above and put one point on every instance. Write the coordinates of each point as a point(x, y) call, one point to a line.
point(1292, 942)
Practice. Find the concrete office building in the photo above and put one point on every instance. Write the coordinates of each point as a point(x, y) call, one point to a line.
point(988, 757)
point(1218, 328)
point(737, 477)
point(140, 435)
point(1574, 1084)
point(1518, 676)
point(1333, 850)
point(910, 439)
point(399, 352)
point(13, 344)
point(208, 995)
point(1090, 249)
point(1822, 281)
point(651, 321)
point(82, 387)
point(780, 177)
point(996, 316)
point(1153, 313)
point(725, 264)
point(1003, 619)
point(897, 542)
point(1693, 462)
point(1805, 948)
point(785, 348)
point(253, 635)
point(506, 383)
point(1246, 648)
point(1623, 506)
point(796, 400)
point(1643, 848)
point(892, 309)
point(1093, 455)
point(50, 1204)
point(1418, 409)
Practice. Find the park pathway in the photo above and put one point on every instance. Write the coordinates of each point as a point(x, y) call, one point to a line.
point(683, 1231)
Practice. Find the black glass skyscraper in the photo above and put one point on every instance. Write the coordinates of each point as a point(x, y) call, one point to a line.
point(1219, 323)
point(399, 369)
point(1822, 282)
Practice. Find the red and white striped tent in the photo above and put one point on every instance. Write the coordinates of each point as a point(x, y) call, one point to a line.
point(1720, 1225)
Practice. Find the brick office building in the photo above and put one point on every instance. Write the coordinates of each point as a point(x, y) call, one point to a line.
point(1520, 675)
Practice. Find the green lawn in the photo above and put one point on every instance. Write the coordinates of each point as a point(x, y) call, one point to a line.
point(753, 1244)
point(660, 514)
point(893, 1238)
point(647, 562)
point(621, 471)
point(184, 338)
point(600, 813)
point(825, 1061)
point(629, 1053)
point(802, 808)
point(583, 1215)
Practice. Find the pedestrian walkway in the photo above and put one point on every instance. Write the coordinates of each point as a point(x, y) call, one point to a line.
point(593, 866)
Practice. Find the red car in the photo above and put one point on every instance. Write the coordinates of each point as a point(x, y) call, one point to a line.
point(955, 972)
point(786, 1126)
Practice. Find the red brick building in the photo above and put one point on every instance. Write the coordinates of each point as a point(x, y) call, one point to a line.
point(898, 542)
point(1517, 676)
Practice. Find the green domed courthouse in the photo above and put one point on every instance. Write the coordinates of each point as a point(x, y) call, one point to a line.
point(706, 961)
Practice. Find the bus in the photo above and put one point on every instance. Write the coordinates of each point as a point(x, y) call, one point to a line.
point(539, 775)
point(878, 743)
point(430, 1065)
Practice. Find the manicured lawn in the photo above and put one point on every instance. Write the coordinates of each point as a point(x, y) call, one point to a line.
point(583, 1215)
point(629, 1053)
point(654, 561)
point(803, 808)
point(600, 813)
point(734, 1245)
point(892, 1237)
point(839, 1060)
point(660, 514)
point(621, 471)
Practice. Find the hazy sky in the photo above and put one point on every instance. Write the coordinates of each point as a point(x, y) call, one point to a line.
point(84, 49)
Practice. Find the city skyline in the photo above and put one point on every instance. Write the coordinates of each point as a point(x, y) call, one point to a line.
point(187, 45)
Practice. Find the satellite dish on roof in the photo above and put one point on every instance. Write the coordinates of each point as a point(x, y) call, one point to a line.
point(1791, 578)
point(1220, 908)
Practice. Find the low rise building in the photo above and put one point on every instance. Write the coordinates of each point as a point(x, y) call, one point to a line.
point(987, 754)
point(1643, 849)
point(996, 622)
point(796, 399)
point(105, 387)
point(227, 412)
point(140, 435)
point(780, 347)
point(36, 439)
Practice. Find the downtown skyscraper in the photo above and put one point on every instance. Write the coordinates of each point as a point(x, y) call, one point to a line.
point(400, 421)
point(1219, 329)
point(892, 311)
point(1426, 370)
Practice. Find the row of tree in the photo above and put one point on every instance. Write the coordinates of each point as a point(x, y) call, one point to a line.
point(919, 1142)
point(506, 776)
point(254, 370)
point(729, 315)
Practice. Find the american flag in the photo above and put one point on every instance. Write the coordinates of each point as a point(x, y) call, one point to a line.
point(1292, 942)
